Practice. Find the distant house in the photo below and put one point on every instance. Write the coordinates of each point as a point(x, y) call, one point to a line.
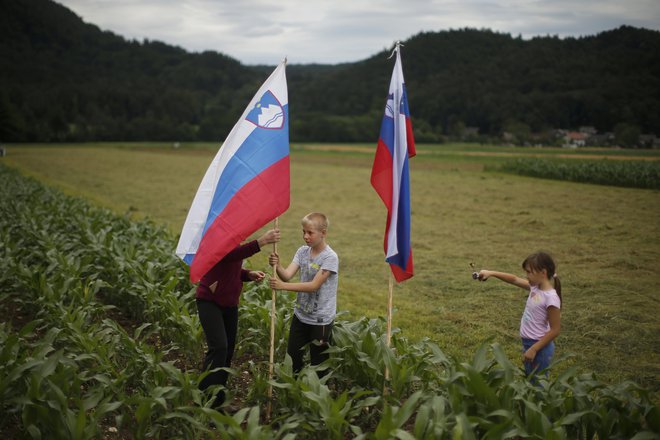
point(588, 130)
point(574, 139)
point(649, 141)
point(471, 131)
point(601, 140)
point(508, 137)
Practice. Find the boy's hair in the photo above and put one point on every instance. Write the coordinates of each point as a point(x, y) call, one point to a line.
point(316, 219)
point(542, 260)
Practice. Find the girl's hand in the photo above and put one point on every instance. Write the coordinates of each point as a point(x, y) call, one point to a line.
point(256, 275)
point(274, 259)
point(529, 355)
point(483, 275)
point(272, 236)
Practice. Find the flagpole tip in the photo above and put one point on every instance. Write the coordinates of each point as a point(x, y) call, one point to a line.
point(397, 48)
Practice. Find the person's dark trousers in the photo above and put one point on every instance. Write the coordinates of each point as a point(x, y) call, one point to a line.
point(302, 334)
point(220, 325)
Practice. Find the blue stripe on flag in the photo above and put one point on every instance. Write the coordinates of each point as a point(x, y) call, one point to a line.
point(248, 161)
point(403, 109)
point(387, 133)
point(403, 222)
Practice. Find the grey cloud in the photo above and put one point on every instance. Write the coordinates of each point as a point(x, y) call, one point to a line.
point(262, 31)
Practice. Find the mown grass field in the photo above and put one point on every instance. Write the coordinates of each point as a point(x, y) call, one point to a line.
point(606, 240)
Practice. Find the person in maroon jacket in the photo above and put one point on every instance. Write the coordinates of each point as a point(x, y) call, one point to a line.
point(217, 298)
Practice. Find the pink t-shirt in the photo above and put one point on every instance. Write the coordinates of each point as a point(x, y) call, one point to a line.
point(534, 323)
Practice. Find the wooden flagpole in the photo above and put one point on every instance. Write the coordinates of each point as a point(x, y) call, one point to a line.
point(389, 325)
point(273, 312)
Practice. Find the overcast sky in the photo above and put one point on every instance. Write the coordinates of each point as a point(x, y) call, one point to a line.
point(335, 31)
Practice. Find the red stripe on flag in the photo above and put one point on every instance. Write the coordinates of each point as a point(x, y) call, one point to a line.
point(381, 180)
point(400, 274)
point(258, 202)
point(410, 139)
point(381, 174)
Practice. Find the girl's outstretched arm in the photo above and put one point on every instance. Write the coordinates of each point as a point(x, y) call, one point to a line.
point(506, 277)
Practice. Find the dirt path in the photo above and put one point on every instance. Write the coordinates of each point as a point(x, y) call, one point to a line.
point(371, 150)
point(357, 149)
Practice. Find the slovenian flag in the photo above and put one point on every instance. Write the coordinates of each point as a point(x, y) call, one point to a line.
point(390, 176)
point(247, 184)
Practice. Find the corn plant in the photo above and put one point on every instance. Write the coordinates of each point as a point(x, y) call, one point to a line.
point(47, 388)
point(391, 425)
point(431, 420)
point(361, 355)
point(331, 413)
point(255, 318)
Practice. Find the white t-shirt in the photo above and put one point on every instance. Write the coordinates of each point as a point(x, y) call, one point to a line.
point(320, 307)
point(534, 323)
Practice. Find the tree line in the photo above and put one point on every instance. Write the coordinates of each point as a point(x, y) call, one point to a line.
point(66, 80)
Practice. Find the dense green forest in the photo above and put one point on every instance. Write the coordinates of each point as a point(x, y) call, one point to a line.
point(65, 80)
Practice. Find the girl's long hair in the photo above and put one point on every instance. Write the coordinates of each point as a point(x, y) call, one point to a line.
point(542, 260)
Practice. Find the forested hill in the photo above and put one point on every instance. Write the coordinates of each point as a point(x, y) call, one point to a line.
point(63, 79)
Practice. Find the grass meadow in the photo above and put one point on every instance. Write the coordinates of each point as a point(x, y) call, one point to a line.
point(606, 240)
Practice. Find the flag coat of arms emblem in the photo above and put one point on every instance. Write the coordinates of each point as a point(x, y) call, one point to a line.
point(390, 175)
point(247, 184)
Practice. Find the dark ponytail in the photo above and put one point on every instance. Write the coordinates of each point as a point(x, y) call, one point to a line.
point(558, 288)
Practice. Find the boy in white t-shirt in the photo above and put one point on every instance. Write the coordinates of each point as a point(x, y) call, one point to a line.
point(316, 302)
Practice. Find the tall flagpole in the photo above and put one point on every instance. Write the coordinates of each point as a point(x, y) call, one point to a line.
point(390, 178)
point(273, 312)
point(389, 326)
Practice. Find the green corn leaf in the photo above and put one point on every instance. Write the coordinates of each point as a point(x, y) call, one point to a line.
point(646, 435)
point(34, 432)
point(92, 399)
point(463, 430)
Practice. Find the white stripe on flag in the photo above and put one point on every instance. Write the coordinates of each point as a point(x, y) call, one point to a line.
point(400, 151)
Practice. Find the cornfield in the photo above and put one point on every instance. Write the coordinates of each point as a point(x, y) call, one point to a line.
point(101, 340)
point(632, 174)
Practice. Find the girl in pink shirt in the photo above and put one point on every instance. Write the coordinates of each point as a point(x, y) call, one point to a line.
point(541, 320)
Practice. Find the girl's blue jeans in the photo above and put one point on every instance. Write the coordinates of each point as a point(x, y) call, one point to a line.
point(542, 360)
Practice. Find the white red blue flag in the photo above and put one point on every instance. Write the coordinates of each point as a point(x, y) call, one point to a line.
point(247, 184)
point(390, 176)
